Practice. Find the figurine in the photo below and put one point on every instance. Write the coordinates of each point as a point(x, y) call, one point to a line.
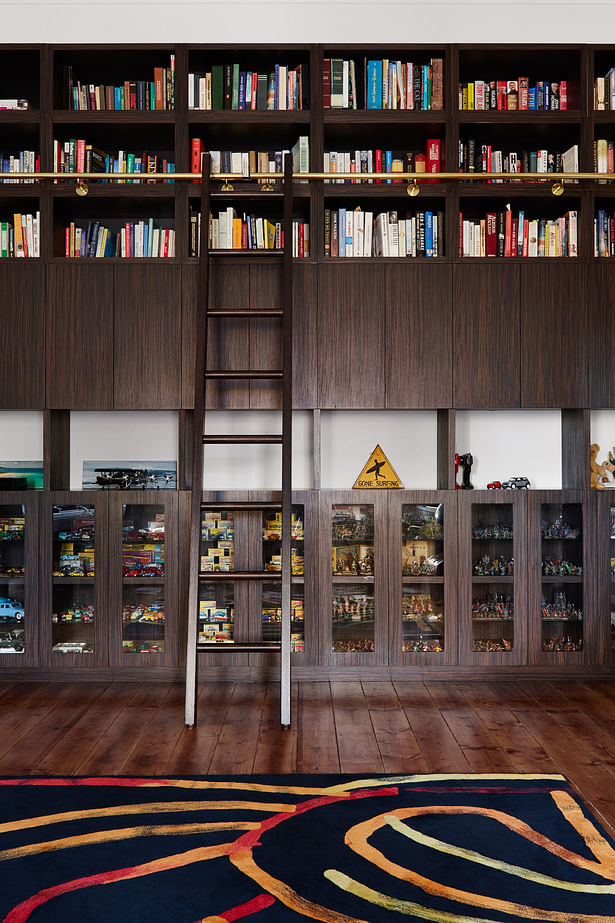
point(465, 461)
point(597, 471)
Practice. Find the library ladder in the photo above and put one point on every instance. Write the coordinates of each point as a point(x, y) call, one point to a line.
point(206, 318)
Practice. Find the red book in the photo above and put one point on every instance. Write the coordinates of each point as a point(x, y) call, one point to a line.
point(196, 157)
point(563, 94)
point(326, 83)
point(158, 87)
point(514, 236)
point(460, 234)
point(526, 238)
point(80, 156)
point(420, 165)
point(502, 94)
point(244, 235)
point(254, 84)
point(166, 242)
point(508, 232)
point(378, 163)
point(491, 234)
point(433, 157)
point(523, 100)
point(67, 241)
point(301, 240)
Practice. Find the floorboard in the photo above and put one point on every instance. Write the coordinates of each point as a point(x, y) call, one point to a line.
point(354, 727)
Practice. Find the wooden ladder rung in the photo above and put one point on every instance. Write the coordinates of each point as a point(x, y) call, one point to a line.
point(262, 439)
point(245, 312)
point(245, 374)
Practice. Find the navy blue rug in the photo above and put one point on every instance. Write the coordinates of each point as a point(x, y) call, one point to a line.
point(443, 848)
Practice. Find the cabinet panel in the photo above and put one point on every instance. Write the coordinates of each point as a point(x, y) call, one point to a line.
point(600, 336)
point(555, 349)
point(486, 336)
point(80, 336)
point(147, 337)
point(351, 336)
point(19, 557)
point(22, 355)
point(418, 336)
point(265, 334)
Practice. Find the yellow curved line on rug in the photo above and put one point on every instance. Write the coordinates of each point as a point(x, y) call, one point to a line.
point(244, 861)
point(517, 870)
point(409, 908)
point(358, 835)
point(593, 840)
point(157, 807)
point(123, 833)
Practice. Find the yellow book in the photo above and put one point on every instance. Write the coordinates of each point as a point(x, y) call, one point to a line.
point(71, 239)
point(19, 249)
point(236, 233)
point(269, 235)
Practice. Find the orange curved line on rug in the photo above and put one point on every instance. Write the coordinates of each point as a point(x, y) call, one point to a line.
point(414, 778)
point(242, 910)
point(155, 807)
point(22, 911)
point(596, 843)
point(357, 837)
point(508, 868)
point(122, 833)
point(196, 784)
point(409, 908)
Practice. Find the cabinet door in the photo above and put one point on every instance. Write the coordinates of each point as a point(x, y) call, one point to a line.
point(351, 336)
point(485, 336)
point(555, 351)
point(147, 337)
point(22, 356)
point(601, 335)
point(418, 336)
point(80, 336)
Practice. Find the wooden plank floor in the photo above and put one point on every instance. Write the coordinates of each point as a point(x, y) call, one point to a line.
point(351, 727)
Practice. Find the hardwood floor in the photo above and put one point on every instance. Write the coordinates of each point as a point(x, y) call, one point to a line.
point(352, 727)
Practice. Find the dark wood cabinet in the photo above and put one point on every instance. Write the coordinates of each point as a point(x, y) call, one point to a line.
point(22, 353)
point(599, 334)
point(486, 335)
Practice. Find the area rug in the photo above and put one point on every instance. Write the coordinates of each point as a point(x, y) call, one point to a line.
point(443, 848)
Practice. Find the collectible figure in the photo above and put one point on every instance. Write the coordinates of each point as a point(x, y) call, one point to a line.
point(465, 461)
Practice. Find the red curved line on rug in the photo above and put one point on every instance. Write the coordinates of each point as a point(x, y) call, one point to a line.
point(242, 910)
point(144, 782)
point(22, 911)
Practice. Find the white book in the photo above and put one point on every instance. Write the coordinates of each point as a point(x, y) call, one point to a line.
point(572, 233)
point(401, 228)
point(349, 231)
point(393, 234)
point(358, 242)
point(245, 164)
point(222, 230)
point(37, 234)
point(542, 158)
point(191, 91)
point(413, 235)
point(479, 95)
point(353, 85)
point(236, 162)
point(216, 162)
point(282, 82)
point(214, 240)
point(368, 241)
point(497, 156)
point(346, 85)
point(379, 224)
point(30, 234)
point(156, 242)
point(532, 246)
point(476, 239)
point(570, 161)
point(465, 249)
point(171, 243)
point(260, 234)
point(230, 214)
point(600, 93)
point(202, 93)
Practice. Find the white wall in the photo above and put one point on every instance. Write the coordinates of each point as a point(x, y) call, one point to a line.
point(21, 435)
point(548, 21)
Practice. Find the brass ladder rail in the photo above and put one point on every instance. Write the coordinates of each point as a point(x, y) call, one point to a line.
point(206, 316)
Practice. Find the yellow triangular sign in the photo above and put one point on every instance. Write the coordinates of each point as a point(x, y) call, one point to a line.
point(378, 473)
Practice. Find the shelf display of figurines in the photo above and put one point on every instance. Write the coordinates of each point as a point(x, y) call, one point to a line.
point(565, 643)
point(554, 568)
point(498, 531)
point(423, 645)
point(495, 606)
point(356, 646)
point(561, 608)
point(556, 637)
point(353, 560)
point(491, 645)
point(420, 606)
point(353, 608)
point(352, 524)
point(493, 567)
point(559, 530)
point(423, 522)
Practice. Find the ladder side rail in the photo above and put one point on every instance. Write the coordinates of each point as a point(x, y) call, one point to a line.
point(287, 422)
point(200, 361)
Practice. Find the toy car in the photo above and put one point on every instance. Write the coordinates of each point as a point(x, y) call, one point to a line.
point(10, 610)
point(516, 483)
point(494, 485)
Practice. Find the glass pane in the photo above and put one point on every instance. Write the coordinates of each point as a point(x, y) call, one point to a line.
point(422, 554)
point(612, 537)
point(216, 613)
point(217, 542)
point(352, 618)
point(272, 616)
point(423, 618)
point(353, 540)
point(12, 596)
point(73, 579)
point(143, 583)
point(272, 541)
point(492, 578)
point(271, 600)
point(562, 581)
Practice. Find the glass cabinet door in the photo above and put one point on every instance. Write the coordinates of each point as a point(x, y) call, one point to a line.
point(216, 600)
point(561, 529)
point(493, 573)
point(144, 539)
point(13, 611)
point(74, 568)
point(422, 567)
point(353, 571)
point(271, 597)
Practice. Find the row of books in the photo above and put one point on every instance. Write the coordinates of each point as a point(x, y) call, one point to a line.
point(604, 161)
point(403, 85)
point(504, 234)
point(604, 234)
point(247, 163)
point(227, 86)
point(13, 103)
point(134, 239)
point(355, 233)
point(21, 237)
point(604, 91)
point(381, 161)
point(229, 231)
point(511, 95)
point(158, 93)
point(20, 162)
point(76, 156)
point(475, 157)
